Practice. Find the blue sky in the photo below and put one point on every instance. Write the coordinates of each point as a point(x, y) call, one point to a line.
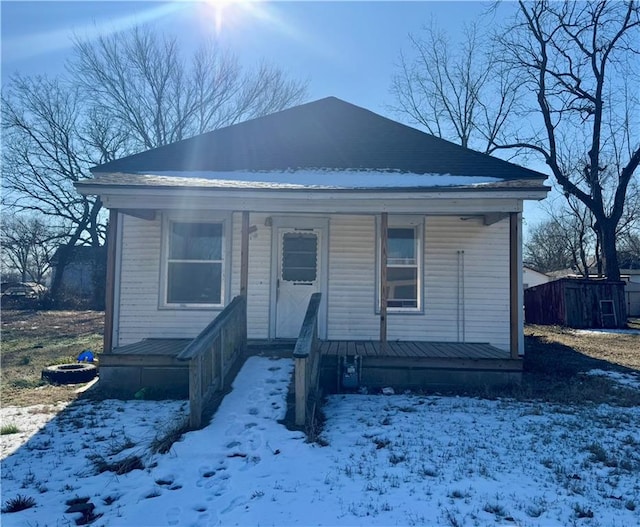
point(345, 49)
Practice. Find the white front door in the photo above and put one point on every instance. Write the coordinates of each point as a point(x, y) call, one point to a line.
point(298, 275)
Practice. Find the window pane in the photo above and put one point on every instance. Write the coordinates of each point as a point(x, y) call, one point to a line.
point(195, 241)
point(402, 285)
point(299, 257)
point(401, 246)
point(194, 283)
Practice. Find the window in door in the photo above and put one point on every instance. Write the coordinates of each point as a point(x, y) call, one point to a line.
point(299, 257)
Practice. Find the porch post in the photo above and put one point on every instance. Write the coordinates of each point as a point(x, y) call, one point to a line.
point(383, 279)
point(244, 254)
point(109, 294)
point(515, 285)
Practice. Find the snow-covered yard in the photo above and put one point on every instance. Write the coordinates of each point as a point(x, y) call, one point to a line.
point(390, 460)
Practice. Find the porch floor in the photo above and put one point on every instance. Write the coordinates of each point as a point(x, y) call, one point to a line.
point(338, 348)
point(413, 349)
point(167, 347)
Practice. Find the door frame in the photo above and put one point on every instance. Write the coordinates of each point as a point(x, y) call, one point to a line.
point(300, 222)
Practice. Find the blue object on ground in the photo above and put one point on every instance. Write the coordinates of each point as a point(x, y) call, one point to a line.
point(86, 356)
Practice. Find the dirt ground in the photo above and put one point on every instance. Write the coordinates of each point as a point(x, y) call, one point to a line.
point(32, 340)
point(616, 349)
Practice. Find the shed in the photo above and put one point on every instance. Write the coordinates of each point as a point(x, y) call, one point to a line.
point(577, 303)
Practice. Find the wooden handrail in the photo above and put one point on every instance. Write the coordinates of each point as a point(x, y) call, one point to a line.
point(307, 364)
point(309, 329)
point(213, 355)
point(200, 344)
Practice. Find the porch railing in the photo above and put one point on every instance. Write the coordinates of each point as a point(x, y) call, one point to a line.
point(212, 354)
point(307, 364)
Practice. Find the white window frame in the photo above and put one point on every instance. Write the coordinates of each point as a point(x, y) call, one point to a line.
point(168, 220)
point(403, 222)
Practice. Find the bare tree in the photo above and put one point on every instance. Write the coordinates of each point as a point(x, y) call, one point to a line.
point(28, 243)
point(546, 249)
point(457, 92)
point(574, 225)
point(44, 154)
point(142, 82)
point(125, 93)
point(580, 60)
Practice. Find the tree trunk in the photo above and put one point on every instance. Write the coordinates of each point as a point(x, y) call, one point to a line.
point(609, 252)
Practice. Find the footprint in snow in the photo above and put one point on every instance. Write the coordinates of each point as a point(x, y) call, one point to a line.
point(255, 396)
point(235, 502)
point(250, 462)
point(235, 429)
point(173, 516)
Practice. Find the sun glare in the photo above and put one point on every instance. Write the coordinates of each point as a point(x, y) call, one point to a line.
point(225, 12)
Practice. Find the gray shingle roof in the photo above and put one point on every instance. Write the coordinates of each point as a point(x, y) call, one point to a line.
point(328, 133)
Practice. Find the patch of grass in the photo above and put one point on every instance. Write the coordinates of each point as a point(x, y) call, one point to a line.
point(598, 453)
point(582, 512)
point(556, 361)
point(17, 504)
point(452, 519)
point(457, 494)
point(110, 500)
point(395, 459)
point(163, 442)
point(32, 340)
point(534, 511)
point(381, 443)
point(119, 467)
point(6, 430)
point(26, 384)
point(494, 508)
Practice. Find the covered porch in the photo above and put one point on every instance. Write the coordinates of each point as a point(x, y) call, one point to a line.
point(401, 364)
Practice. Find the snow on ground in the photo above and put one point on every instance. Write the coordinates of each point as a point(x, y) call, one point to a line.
point(29, 421)
point(631, 379)
point(606, 331)
point(390, 460)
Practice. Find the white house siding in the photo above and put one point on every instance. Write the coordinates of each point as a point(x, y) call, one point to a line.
point(479, 311)
point(352, 283)
point(139, 314)
point(352, 278)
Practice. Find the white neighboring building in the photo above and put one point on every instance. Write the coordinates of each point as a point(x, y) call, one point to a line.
point(531, 278)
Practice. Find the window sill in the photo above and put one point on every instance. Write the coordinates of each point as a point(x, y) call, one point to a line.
point(190, 307)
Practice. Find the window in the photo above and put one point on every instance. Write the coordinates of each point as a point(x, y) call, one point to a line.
point(404, 266)
point(299, 257)
point(195, 270)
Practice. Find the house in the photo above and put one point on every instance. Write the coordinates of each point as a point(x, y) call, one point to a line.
point(532, 278)
point(414, 244)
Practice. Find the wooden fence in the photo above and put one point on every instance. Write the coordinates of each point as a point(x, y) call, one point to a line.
point(307, 364)
point(212, 354)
